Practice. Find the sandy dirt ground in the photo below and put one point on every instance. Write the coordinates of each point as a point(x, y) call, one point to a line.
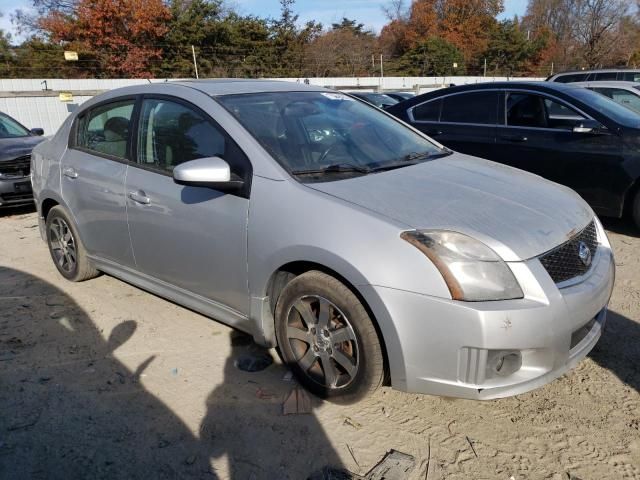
point(103, 380)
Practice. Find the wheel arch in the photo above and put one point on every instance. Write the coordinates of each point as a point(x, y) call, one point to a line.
point(629, 197)
point(286, 272)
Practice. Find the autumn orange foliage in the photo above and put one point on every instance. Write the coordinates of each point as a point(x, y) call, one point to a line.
point(463, 23)
point(122, 34)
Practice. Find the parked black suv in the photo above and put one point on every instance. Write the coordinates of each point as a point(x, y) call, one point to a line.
point(565, 133)
point(16, 143)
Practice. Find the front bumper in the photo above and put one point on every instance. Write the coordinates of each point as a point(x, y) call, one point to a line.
point(15, 192)
point(452, 348)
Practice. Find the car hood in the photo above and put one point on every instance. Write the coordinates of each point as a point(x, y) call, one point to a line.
point(12, 148)
point(518, 214)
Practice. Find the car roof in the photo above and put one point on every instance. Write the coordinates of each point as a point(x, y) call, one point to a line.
point(542, 87)
point(609, 83)
point(595, 70)
point(516, 84)
point(232, 86)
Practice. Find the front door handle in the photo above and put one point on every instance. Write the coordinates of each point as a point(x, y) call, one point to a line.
point(70, 172)
point(514, 138)
point(139, 197)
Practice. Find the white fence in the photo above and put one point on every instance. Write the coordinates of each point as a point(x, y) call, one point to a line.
point(36, 102)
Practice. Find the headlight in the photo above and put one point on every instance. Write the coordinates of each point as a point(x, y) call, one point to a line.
point(472, 271)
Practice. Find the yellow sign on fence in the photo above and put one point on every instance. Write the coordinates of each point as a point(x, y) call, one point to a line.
point(71, 56)
point(65, 96)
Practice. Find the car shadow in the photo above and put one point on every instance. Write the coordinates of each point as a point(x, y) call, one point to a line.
point(70, 409)
point(622, 226)
point(619, 349)
point(21, 210)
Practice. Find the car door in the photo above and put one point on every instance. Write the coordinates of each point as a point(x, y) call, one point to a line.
point(194, 238)
point(464, 122)
point(93, 175)
point(538, 136)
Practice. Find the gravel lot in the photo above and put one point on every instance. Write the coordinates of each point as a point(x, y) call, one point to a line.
point(102, 380)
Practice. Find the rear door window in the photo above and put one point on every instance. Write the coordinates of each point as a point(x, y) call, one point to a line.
point(105, 129)
point(605, 76)
point(428, 111)
point(473, 107)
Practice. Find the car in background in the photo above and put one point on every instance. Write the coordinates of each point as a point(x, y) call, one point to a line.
point(567, 134)
point(16, 143)
point(324, 226)
point(400, 96)
point(626, 94)
point(379, 100)
point(600, 75)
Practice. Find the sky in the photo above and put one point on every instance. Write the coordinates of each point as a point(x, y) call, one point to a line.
point(368, 12)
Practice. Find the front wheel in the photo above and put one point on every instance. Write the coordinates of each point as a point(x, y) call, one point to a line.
point(67, 252)
point(327, 338)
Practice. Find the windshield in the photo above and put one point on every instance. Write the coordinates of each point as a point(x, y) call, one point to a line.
point(607, 107)
point(310, 131)
point(9, 128)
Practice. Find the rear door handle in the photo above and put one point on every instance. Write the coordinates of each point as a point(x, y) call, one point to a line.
point(434, 133)
point(69, 172)
point(514, 138)
point(139, 197)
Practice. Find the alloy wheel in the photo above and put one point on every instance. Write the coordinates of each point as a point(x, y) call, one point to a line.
point(323, 342)
point(63, 245)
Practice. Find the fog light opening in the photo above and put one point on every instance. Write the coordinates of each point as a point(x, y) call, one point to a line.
point(503, 363)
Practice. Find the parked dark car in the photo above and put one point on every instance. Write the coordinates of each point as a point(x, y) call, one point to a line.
point(400, 96)
point(599, 75)
point(380, 100)
point(16, 143)
point(565, 133)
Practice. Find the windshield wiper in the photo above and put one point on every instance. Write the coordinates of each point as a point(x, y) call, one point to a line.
point(335, 168)
point(411, 159)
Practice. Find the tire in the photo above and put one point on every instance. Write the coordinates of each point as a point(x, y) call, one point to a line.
point(635, 210)
point(66, 249)
point(327, 338)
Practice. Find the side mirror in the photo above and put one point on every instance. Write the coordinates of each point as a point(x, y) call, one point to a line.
point(589, 126)
point(37, 131)
point(212, 172)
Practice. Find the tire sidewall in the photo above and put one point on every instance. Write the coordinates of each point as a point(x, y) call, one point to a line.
point(366, 378)
point(58, 212)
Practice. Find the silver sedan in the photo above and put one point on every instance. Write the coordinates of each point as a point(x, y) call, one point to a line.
point(365, 251)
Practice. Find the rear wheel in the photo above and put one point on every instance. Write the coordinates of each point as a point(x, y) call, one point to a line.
point(67, 252)
point(327, 338)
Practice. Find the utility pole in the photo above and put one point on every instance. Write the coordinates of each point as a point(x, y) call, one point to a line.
point(195, 64)
point(551, 68)
point(485, 67)
point(381, 73)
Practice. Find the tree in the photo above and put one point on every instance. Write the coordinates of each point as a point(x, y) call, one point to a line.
point(509, 50)
point(585, 32)
point(433, 57)
point(123, 34)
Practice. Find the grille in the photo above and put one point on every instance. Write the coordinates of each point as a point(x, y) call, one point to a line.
point(563, 263)
point(18, 168)
point(16, 197)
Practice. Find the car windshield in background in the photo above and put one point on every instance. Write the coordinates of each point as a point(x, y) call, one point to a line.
point(608, 107)
point(326, 135)
point(9, 128)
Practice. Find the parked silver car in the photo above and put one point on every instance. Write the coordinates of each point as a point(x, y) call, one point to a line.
point(321, 225)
